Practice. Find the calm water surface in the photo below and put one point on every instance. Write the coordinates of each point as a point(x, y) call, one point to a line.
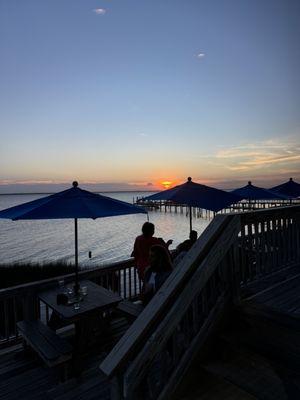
point(109, 239)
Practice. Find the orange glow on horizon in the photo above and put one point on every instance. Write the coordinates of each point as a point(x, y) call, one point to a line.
point(166, 184)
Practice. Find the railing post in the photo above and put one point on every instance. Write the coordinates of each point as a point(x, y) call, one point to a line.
point(236, 276)
point(30, 305)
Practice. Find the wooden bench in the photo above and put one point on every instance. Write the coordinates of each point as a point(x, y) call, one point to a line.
point(53, 349)
point(130, 309)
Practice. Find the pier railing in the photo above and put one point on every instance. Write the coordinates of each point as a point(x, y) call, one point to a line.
point(19, 302)
point(241, 206)
point(233, 252)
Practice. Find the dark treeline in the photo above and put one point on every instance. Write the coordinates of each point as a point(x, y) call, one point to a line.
point(20, 273)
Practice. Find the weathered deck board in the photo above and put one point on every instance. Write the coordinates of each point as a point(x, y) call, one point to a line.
point(28, 384)
point(202, 385)
point(282, 297)
point(269, 280)
point(93, 386)
point(24, 376)
point(251, 373)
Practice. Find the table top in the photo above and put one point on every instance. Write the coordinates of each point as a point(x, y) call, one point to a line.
point(97, 299)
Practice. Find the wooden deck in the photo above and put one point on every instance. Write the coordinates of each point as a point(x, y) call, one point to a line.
point(282, 297)
point(25, 376)
point(231, 305)
point(215, 379)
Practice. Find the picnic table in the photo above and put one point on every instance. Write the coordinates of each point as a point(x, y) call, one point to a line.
point(91, 308)
point(52, 348)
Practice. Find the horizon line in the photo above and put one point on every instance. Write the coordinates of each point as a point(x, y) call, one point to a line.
point(92, 191)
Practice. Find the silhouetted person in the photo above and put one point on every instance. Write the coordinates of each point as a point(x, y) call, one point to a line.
point(185, 246)
point(158, 271)
point(142, 246)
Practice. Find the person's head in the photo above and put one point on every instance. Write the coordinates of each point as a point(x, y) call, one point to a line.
point(193, 236)
point(160, 259)
point(148, 229)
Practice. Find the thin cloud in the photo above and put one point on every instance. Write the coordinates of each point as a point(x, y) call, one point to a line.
point(238, 168)
point(237, 153)
point(271, 154)
point(28, 181)
point(143, 134)
point(99, 11)
point(272, 160)
point(200, 55)
point(142, 184)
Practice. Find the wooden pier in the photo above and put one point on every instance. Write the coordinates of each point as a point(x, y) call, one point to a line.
point(242, 206)
point(225, 325)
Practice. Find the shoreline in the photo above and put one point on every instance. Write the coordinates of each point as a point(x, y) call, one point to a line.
point(104, 191)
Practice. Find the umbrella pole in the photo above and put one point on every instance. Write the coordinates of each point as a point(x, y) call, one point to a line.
point(191, 227)
point(76, 287)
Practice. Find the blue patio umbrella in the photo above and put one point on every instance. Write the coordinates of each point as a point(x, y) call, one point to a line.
point(251, 192)
point(289, 188)
point(196, 195)
point(71, 203)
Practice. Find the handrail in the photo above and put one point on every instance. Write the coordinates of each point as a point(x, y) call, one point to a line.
point(257, 244)
point(135, 334)
point(281, 211)
point(193, 288)
point(83, 274)
point(269, 242)
point(21, 301)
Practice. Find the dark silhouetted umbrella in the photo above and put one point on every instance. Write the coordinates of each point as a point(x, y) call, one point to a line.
point(251, 192)
point(197, 195)
point(289, 188)
point(71, 203)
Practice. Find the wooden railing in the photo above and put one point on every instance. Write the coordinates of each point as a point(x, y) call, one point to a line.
point(19, 302)
point(269, 241)
point(233, 252)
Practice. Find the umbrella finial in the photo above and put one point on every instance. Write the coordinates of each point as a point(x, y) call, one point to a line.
point(291, 179)
point(189, 179)
point(249, 183)
point(75, 184)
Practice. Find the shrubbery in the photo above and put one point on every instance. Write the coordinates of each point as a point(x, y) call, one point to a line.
point(20, 273)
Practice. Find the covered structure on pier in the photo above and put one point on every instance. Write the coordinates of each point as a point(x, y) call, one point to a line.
point(251, 192)
point(194, 194)
point(289, 188)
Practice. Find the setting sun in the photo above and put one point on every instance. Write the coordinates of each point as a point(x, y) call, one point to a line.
point(166, 184)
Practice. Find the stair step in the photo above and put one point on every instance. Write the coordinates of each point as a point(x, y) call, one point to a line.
point(267, 281)
point(279, 303)
point(202, 385)
point(275, 338)
point(251, 372)
point(276, 316)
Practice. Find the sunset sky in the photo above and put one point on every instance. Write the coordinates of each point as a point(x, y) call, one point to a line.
point(132, 93)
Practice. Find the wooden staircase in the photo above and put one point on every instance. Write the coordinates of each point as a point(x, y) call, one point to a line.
point(220, 297)
point(257, 352)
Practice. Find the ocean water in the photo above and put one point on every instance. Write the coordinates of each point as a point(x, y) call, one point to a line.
point(109, 239)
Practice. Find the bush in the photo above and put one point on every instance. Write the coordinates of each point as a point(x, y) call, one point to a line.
point(20, 273)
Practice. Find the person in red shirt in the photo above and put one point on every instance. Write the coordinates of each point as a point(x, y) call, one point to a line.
point(142, 246)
